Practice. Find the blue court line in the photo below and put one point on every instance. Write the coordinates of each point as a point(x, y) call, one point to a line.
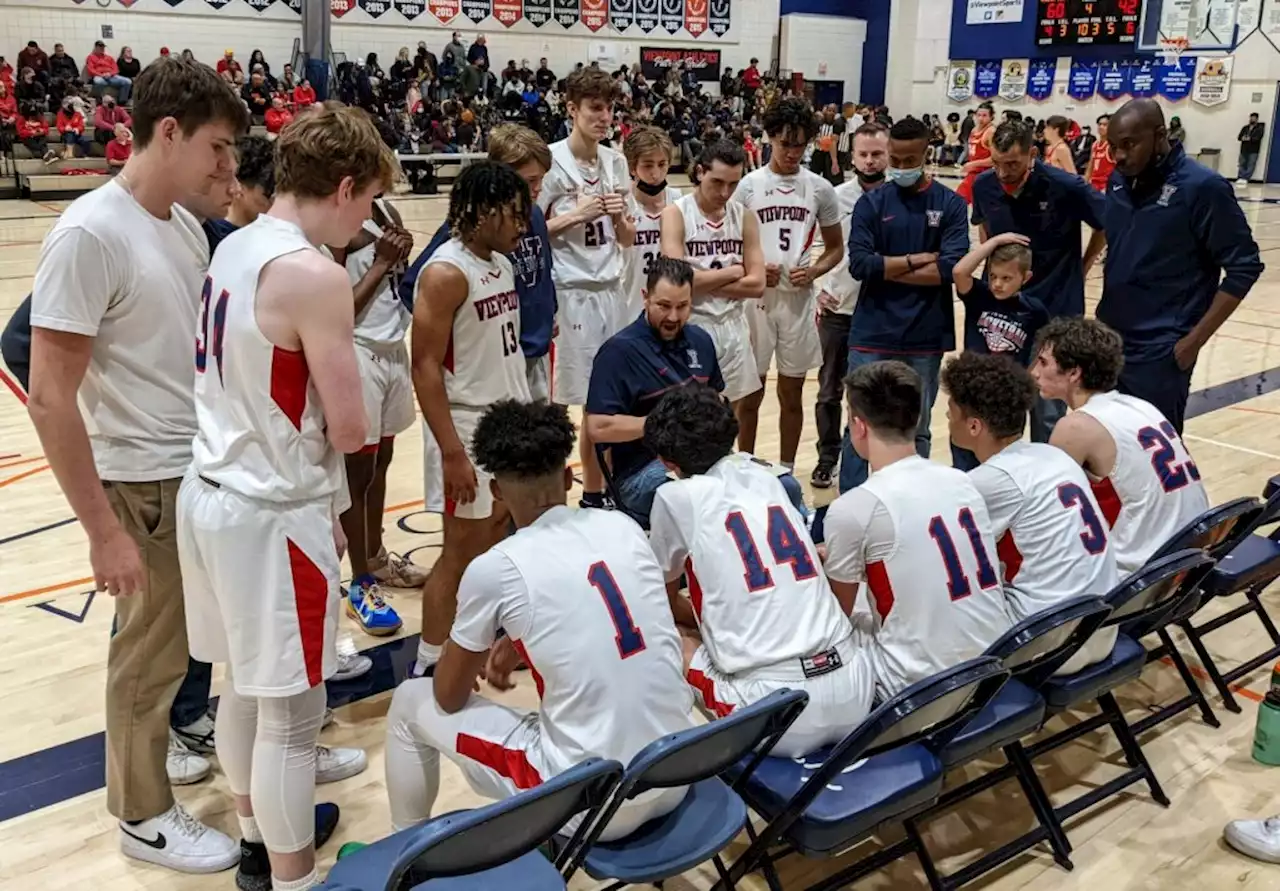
point(30, 532)
point(38, 780)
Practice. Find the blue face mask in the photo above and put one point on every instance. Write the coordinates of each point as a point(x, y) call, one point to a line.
point(904, 177)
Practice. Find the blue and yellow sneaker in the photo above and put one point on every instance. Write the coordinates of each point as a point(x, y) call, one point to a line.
point(366, 606)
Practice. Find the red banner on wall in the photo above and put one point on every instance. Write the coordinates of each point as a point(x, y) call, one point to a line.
point(507, 11)
point(695, 16)
point(339, 8)
point(595, 14)
point(444, 10)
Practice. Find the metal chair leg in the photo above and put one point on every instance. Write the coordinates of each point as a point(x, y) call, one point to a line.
point(1210, 667)
point(1193, 686)
point(935, 881)
point(1129, 743)
point(1040, 804)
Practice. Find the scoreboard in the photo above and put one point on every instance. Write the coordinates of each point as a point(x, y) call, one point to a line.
point(1087, 22)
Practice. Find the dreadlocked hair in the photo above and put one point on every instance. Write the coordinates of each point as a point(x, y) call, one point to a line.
point(483, 189)
point(523, 440)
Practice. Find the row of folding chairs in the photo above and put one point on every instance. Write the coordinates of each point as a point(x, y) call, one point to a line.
point(889, 771)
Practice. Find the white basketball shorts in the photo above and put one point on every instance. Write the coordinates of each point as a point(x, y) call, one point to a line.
point(387, 383)
point(261, 586)
point(732, 337)
point(586, 320)
point(838, 700)
point(782, 323)
point(464, 421)
point(538, 373)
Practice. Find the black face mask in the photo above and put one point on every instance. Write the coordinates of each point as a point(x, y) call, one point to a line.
point(876, 177)
point(651, 190)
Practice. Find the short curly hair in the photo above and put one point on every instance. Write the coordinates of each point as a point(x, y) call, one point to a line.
point(692, 427)
point(255, 163)
point(790, 115)
point(523, 440)
point(994, 389)
point(1092, 346)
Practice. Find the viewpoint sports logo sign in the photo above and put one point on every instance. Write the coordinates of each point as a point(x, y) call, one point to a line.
point(655, 60)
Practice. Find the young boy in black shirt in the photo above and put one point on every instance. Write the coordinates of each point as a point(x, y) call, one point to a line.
point(998, 317)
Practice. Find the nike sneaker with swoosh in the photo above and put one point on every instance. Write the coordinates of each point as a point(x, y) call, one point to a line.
point(179, 841)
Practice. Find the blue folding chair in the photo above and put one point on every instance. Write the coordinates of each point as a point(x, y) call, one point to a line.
point(492, 848)
point(710, 816)
point(881, 772)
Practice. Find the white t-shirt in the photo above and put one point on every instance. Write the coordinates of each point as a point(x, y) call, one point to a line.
point(839, 282)
point(111, 271)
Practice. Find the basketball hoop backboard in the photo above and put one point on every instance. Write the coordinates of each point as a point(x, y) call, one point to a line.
point(1171, 27)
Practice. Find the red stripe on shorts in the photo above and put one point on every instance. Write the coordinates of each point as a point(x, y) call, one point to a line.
point(705, 686)
point(310, 596)
point(510, 763)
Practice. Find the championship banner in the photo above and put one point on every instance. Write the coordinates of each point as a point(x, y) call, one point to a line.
point(672, 15)
point(1040, 77)
point(1113, 78)
point(338, 8)
point(170, 2)
point(720, 17)
point(537, 12)
point(960, 81)
point(1142, 78)
point(566, 12)
point(595, 14)
point(656, 60)
point(1082, 82)
point(256, 5)
point(295, 5)
point(1013, 80)
point(647, 14)
point(1213, 81)
point(695, 17)
point(218, 4)
point(507, 11)
point(622, 14)
point(1173, 81)
point(127, 3)
point(477, 10)
point(986, 78)
point(411, 9)
point(375, 8)
point(445, 11)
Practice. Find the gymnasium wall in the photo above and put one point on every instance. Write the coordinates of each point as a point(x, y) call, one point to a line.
point(824, 47)
point(940, 34)
point(148, 25)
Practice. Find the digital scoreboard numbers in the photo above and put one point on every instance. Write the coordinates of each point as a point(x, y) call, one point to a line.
point(1087, 22)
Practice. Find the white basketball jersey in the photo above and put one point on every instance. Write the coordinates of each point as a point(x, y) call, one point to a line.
point(1056, 545)
point(712, 244)
point(1154, 489)
point(483, 362)
point(587, 255)
point(605, 656)
point(937, 593)
point(261, 429)
point(790, 210)
point(755, 581)
point(384, 319)
point(646, 249)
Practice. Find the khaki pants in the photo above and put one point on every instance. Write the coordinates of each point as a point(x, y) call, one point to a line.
point(148, 655)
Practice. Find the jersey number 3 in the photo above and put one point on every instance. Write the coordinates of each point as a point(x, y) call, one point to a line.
point(785, 543)
point(630, 639)
point(210, 341)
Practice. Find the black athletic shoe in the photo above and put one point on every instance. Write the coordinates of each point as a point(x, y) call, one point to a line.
point(821, 478)
point(254, 873)
point(598, 500)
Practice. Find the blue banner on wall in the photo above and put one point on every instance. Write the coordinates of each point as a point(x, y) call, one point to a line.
point(1082, 82)
point(986, 78)
point(1040, 76)
point(1142, 78)
point(1173, 82)
point(1113, 79)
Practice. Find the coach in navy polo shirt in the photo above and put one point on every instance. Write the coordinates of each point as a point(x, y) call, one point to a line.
point(904, 239)
point(1181, 257)
point(632, 371)
point(1048, 206)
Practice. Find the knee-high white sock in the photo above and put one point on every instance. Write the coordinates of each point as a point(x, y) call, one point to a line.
point(428, 654)
point(311, 880)
point(236, 728)
point(283, 789)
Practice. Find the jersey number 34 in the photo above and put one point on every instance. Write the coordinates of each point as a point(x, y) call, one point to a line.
point(210, 341)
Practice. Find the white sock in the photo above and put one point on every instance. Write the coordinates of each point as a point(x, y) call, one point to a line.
point(428, 654)
point(790, 465)
point(249, 830)
point(310, 880)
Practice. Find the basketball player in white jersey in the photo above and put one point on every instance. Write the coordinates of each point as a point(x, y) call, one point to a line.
point(721, 241)
point(278, 400)
point(1050, 535)
point(648, 151)
point(793, 206)
point(584, 196)
point(374, 260)
point(581, 601)
point(760, 615)
point(1144, 478)
point(467, 356)
point(917, 534)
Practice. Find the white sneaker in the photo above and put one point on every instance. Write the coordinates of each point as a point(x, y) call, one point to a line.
point(1242, 182)
point(351, 665)
point(179, 841)
point(183, 765)
point(338, 764)
point(328, 718)
point(1259, 839)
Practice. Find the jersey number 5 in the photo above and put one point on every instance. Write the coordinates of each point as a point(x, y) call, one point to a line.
point(629, 638)
point(785, 543)
point(957, 582)
point(207, 340)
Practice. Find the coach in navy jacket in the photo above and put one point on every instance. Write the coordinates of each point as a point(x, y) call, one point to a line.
point(1180, 257)
point(904, 239)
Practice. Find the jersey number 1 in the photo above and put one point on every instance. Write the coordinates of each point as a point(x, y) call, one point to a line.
point(210, 341)
point(785, 543)
point(957, 582)
point(629, 638)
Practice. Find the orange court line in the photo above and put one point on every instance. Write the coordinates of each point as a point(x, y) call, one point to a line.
point(21, 476)
point(395, 507)
point(1254, 411)
point(1202, 675)
point(22, 595)
point(23, 461)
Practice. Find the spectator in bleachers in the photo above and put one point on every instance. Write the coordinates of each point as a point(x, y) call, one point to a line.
point(278, 116)
point(127, 65)
point(228, 62)
point(402, 67)
point(29, 89)
point(70, 124)
point(62, 66)
point(120, 148)
point(36, 59)
point(544, 77)
point(256, 58)
point(304, 95)
point(108, 115)
point(257, 95)
point(457, 48)
point(100, 68)
point(471, 80)
point(448, 75)
point(8, 110)
point(188, 56)
point(478, 52)
point(6, 74)
point(33, 131)
point(288, 80)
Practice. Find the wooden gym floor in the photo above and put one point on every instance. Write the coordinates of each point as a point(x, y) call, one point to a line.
point(55, 832)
